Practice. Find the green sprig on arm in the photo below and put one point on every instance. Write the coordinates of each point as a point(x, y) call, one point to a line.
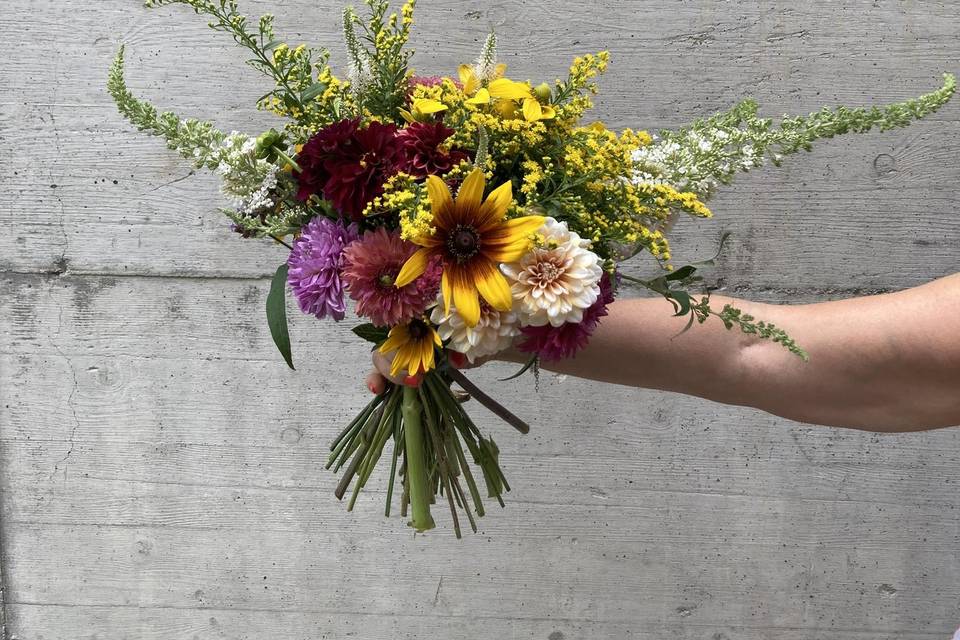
point(196, 140)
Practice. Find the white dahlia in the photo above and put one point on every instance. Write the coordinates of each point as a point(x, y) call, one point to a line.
point(493, 333)
point(557, 280)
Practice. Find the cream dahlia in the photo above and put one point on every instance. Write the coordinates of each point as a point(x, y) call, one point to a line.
point(557, 280)
point(493, 333)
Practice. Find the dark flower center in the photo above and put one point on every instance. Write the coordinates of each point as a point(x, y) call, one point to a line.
point(418, 330)
point(463, 242)
point(385, 279)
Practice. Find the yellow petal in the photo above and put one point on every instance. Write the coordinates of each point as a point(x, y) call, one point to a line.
point(482, 97)
point(466, 300)
point(397, 337)
point(413, 268)
point(495, 207)
point(426, 355)
point(499, 70)
point(407, 115)
point(446, 290)
point(439, 194)
point(548, 112)
point(426, 106)
point(493, 286)
point(402, 359)
point(531, 110)
point(436, 337)
point(467, 78)
point(509, 89)
point(470, 195)
point(510, 242)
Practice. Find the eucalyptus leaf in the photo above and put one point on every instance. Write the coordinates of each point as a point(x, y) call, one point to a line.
point(277, 313)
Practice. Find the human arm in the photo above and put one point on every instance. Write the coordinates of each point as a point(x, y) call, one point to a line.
point(887, 362)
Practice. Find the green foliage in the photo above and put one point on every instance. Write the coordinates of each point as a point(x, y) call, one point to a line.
point(293, 71)
point(675, 286)
point(283, 221)
point(193, 139)
point(277, 313)
point(371, 333)
point(731, 316)
point(378, 58)
point(713, 150)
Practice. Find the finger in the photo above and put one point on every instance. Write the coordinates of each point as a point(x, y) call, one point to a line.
point(383, 365)
point(376, 382)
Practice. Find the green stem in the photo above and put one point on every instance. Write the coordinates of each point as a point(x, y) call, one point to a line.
point(416, 461)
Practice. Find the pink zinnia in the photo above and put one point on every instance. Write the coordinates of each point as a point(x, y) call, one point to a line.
point(559, 343)
point(371, 265)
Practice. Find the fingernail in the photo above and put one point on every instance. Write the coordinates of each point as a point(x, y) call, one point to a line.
point(412, 381)
point(457, 359)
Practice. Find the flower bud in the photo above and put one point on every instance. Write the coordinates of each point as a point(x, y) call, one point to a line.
point(542, 91)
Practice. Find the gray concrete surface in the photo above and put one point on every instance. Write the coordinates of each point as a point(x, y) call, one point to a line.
point(161, 469)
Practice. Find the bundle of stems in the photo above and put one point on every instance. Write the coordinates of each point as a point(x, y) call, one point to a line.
point(432, 435)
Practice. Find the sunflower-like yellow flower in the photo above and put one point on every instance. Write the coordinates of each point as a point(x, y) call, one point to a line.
point(471, 236)
point(504, 94)
point(413, 347)
point(422, 109)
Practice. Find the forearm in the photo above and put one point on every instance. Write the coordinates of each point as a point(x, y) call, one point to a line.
point(884, 363)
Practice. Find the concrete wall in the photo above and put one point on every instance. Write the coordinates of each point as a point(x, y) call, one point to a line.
point(161, 469)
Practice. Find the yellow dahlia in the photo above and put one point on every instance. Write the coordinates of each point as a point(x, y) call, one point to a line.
point(472, 237)
point(413, 347)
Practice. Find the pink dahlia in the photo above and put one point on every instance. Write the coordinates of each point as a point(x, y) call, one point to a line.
point(558, 343)
point(348, 165)
point(421, 154)
point(370, 267)
point(314, 267)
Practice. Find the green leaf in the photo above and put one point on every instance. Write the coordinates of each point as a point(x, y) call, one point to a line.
point(371, 333)
point(277, 313)
point(682, 273)
point(682, 298)
point(312, 91)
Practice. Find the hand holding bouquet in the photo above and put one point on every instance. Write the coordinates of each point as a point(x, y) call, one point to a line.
point(462, 215)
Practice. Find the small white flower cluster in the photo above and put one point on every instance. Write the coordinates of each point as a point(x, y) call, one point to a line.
point(553, 284)
point(485, 68)
point(250, 182)
point(701, 159)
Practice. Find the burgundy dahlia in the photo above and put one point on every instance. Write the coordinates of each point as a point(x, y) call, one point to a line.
point(348, 165)
point(370, 267)
point(421, 150)
point(314, 267)
point(558, 343)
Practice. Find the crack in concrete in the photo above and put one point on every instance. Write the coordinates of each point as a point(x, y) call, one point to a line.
point(70, 401)
point(167, 184)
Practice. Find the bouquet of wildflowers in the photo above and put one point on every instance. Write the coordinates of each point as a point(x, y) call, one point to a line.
point(462, 215)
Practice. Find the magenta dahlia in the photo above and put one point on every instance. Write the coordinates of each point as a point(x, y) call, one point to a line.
point(558, 343)
point(314, 267)
point(370, 267)
point(348, 165)
point(422, 155)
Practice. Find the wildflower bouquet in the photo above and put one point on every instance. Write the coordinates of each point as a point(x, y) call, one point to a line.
point(463, 215)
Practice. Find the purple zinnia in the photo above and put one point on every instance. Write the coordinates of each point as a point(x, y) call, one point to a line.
point(314, 267)
point(558, 343)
